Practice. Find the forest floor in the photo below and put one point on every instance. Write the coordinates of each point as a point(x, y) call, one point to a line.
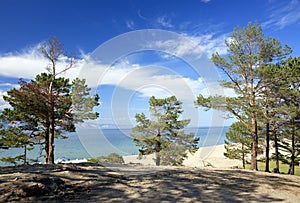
point(87, 182)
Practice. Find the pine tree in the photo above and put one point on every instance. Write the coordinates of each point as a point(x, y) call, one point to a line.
point(53, 102)
point(238, 142)
point(82, 102)
point(164, 134)
point(248, 51)
point(14, 137)
point(33, 101)
point(20, 130)
point(283, 81)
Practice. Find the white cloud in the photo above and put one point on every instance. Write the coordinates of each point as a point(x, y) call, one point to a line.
point(10, 85)
point(148, 81)
point(210, 44)
point(284, 15)
point(29, 63)
point(145, 81)
point(205, 1)
point(157, 81)
point(3, 104)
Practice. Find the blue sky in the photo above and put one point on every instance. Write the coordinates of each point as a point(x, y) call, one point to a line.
point(93, 29)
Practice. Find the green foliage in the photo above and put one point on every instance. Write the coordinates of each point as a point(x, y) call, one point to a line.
point(12, 160)
point(82, 102)
point(238, 142)
point(289, 145)
point(163, 134)
point(33, 98)
point(112, 158)
point(283, 82)
point(17, 134)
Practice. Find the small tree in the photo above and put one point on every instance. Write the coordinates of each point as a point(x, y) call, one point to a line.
point(163, 134)
point(238, 142)
point(14, 137)
point(20, 131)
point(112, 158)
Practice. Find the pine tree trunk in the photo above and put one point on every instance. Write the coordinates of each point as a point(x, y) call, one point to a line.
point(157, 150)
point(25, 155)
point(276, 169)
point(47, 142)
point(267, 169)
point(51, 128)
point(254, 143)
point(51, 123)
point(157, 160)
point(292, 164)
point(51, 143)
point(243, 156)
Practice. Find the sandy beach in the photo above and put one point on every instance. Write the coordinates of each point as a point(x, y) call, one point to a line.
point(212, 156)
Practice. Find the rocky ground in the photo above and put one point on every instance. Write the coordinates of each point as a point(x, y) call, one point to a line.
point(95, 183)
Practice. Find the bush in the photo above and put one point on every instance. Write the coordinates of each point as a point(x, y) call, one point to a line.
point(112, 158)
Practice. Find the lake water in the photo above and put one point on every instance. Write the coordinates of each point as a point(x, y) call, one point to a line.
point(86, 143)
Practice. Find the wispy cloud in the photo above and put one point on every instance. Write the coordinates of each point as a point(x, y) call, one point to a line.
point(205, 1)
point(130, 24)
point(283, 15)
point(164, 21)
point(139, 13)
point(193, 45)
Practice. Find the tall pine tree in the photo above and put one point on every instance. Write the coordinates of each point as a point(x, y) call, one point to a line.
point(248, 51)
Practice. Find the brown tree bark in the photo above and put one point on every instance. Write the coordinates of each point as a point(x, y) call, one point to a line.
point(277, 167)
point(254, 143)
point(157, 150)
point(292, 164)
point(267, 158)
point(51, 143)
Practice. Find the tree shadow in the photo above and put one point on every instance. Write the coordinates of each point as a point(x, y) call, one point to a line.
point(95, 183)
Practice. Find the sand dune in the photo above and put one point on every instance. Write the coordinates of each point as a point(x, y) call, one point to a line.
point(212, 156)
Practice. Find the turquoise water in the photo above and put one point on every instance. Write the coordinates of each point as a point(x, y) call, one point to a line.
point(86, 143)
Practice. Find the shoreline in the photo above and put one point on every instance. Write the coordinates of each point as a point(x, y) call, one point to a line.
point(209, 156)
